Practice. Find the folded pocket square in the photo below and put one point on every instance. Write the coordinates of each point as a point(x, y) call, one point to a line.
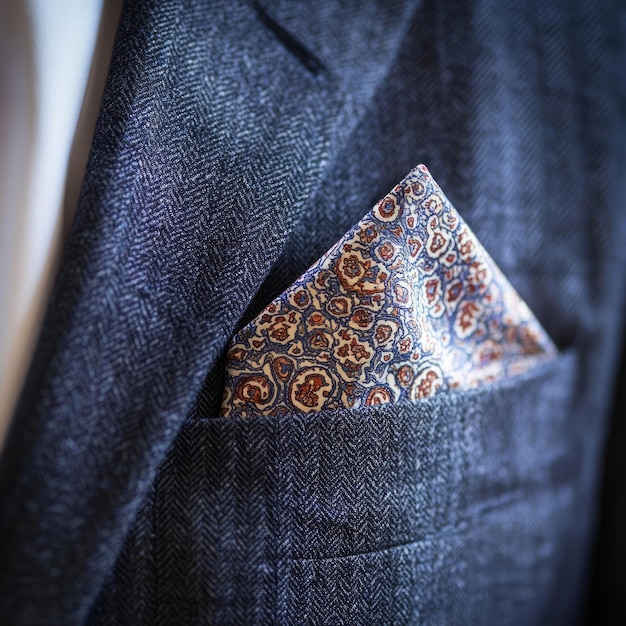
point(406, 305)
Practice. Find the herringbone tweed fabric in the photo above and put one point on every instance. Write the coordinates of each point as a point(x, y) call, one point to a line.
point(237, 142)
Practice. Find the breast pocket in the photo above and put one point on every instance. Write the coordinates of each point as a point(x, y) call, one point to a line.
point(395, 446)
point(456, 509)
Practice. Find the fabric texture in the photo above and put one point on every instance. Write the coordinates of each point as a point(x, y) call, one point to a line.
point(237, 142)
point(416, 513)
point(405, 305)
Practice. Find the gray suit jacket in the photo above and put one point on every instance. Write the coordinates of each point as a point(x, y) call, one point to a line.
point(236, 142)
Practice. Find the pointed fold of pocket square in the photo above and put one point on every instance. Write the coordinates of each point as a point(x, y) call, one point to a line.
point(408, 304)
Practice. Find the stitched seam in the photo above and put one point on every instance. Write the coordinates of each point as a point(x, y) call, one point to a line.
point(485, 507)
point(311, 62)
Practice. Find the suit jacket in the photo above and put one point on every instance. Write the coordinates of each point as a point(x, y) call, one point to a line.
point(236, 142)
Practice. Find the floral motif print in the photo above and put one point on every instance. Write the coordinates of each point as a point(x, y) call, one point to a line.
point(407, 305)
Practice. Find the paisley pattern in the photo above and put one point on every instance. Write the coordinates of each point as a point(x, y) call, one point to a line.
point(407, 305)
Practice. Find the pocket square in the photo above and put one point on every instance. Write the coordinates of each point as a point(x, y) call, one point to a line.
point(406, 305)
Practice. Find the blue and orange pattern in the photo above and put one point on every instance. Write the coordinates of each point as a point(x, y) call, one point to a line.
point(406, 305)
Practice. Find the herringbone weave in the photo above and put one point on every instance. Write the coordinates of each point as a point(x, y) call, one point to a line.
point(228, 131)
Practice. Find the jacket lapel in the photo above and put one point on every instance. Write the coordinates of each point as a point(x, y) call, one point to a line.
point(216, 128)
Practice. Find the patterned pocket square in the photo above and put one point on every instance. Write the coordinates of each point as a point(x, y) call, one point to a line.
point(406, 305)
